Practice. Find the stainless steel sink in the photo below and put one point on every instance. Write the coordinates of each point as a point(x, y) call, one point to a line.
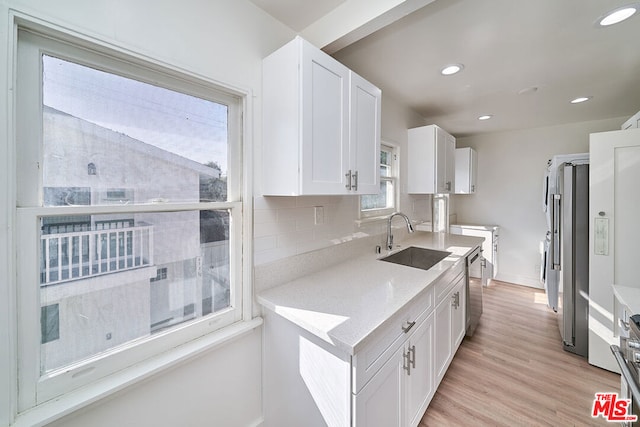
point(417, 257)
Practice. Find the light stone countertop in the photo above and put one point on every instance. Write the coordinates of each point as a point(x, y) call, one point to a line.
point(345, 303)
point(629, 296)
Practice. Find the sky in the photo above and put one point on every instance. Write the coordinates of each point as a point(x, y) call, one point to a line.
point(191, 127)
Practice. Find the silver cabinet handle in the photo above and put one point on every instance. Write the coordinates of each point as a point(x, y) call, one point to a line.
point(455, 300)
point(406, 362)
point(412, 350)
point(355, 181)
point(407, 328)
point(624, 325)
point(348, 176)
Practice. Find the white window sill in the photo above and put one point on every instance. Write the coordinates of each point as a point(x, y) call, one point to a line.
point(64, 405)
point(372, 219)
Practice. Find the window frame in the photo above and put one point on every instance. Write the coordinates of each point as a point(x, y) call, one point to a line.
point(393, 178)
point(165, 349)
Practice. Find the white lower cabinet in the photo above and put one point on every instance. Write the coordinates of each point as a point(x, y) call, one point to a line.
point(419, 379)
point(399, 393)
point(388, 382)
point(450, 326)
point(380, 402)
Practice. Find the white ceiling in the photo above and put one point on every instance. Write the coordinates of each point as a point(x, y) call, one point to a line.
point(506, 46)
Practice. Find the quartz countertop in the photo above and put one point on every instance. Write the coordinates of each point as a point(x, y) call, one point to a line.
point(629, 296)
point(346, 303)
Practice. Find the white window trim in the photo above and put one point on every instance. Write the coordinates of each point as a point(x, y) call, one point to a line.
point(51, 410)
point(381, 214)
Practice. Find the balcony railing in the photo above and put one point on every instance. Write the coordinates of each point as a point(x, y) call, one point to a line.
point(83, 254)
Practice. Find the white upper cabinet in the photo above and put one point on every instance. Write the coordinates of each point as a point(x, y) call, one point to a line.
point(431, 167)
point(364, 141)
point(321, 125)
point(466, 170)
point(632, 123)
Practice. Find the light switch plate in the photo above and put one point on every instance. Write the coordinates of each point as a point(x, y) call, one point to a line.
point(318, 213)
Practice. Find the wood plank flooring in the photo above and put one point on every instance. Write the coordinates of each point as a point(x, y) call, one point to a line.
point(514, 372)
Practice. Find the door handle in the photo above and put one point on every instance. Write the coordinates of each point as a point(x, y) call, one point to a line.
point(554, 248)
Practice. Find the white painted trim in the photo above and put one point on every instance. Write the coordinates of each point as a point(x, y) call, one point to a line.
point(57, 408)
point(516, 279)
point(68, 402)
point(8, 306)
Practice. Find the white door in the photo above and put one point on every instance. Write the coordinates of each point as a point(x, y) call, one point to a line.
point(613, 232)
point(441, 149)
point(364, 143)
point(381, 402)
point(442, 337)
point(325, 118)
point(458, 314)
point(420, 381)
point(450, 171)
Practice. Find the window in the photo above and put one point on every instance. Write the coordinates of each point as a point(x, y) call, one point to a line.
point(129, 213)
point(383, 203)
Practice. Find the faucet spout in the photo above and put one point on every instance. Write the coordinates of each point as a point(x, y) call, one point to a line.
point(389, 235)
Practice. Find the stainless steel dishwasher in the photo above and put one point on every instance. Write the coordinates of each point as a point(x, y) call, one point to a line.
point(475, 264)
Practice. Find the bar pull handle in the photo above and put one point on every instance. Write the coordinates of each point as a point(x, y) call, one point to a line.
point(406, 362)
point(407, 328)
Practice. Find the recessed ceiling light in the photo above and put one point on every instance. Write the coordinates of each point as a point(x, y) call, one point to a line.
point(528, 90)
point(485, 117)
point(617, 15)
point(451, 69)
point(581, 99)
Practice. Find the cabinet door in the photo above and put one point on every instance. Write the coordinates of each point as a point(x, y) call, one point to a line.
point(466, 170)
point(381, 402)
point(324, 121)
point(450, 163)
point(473, 171)
point(441, 166)
point(364, 142)
point(420, 382)
point(458, 314)
point(442, 345)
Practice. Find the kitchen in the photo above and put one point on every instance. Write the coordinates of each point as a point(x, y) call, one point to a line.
point(226, 41)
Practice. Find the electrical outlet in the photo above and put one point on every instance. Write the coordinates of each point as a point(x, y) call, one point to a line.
point(318, 215)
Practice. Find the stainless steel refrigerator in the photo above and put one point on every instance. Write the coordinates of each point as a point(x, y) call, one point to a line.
point(568, 252)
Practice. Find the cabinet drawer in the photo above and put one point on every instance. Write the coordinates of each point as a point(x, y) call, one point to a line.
point(445, 283)
point(389, 337)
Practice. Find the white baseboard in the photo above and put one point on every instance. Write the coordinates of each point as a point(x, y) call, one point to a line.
point(516, 279)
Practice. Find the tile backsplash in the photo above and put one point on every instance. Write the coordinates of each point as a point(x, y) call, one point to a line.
point(288, 226)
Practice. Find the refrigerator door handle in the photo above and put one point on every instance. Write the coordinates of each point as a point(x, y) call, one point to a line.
point(554, 247)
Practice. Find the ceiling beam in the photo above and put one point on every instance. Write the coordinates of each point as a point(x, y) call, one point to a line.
point(356, 19)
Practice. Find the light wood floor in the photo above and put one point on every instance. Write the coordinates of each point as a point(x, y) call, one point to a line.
point(514, 372)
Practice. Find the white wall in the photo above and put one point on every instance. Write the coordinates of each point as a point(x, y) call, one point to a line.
point(222, 40)
point(511, 168)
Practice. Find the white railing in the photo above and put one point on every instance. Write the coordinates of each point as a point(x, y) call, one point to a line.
point(82, 254)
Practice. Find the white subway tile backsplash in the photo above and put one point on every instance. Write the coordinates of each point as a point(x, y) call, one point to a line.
point(264, 243)
point(285, 226)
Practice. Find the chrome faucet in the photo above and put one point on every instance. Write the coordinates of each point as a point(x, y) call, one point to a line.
point(389, 235)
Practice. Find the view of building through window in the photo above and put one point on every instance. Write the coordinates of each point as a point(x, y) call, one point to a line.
point(109, 279)
point(384, 201)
